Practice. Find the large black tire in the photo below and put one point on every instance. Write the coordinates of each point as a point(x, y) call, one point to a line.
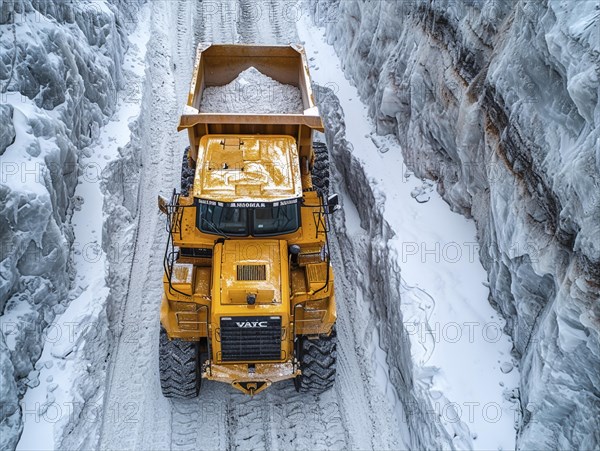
point(178, 365)
point(188, 172)
point(320, 172)
point(318, 362)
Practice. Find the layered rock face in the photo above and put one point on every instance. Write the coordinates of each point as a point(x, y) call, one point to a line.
point(499, 103)
point(60, 70)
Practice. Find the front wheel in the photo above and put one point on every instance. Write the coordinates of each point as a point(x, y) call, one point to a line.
point(318, 364)
point(178, 365)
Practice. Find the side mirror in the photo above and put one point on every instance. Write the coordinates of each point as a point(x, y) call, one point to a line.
point(163, 204)
point(333, 203)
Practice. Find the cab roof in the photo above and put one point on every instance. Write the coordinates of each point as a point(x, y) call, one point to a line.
point(248, 168)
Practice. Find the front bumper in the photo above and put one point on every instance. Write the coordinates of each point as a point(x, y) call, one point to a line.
point(250, 382)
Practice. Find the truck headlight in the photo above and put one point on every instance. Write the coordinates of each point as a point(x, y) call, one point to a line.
point(317, 304)
point(312, 254)
point(183, 306)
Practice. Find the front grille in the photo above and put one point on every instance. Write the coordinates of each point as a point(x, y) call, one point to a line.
point(251, 272)
point(250, 338)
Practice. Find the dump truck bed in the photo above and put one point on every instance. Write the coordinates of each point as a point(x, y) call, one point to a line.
point(219, 65)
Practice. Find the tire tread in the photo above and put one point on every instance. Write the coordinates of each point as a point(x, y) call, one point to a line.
point(318, 364)
point(178, 366)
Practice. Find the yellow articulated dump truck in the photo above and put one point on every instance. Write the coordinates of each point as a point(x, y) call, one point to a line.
point(248, 284)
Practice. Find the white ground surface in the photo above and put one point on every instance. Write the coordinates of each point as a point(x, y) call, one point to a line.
point(362, 411)
point(353, 415)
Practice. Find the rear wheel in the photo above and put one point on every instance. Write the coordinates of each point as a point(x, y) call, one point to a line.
point(318, 364)
point(320, 172)
point(178, 365)
point(188, 170)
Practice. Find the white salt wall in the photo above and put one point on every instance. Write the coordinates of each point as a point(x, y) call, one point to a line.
point(60, 69)
point(498, 102)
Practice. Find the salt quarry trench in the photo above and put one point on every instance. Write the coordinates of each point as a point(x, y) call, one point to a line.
point(462, 140)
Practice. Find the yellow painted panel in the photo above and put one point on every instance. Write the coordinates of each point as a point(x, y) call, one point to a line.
point(262, 168)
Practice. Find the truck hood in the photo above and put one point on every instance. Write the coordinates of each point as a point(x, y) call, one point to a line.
point(254, 268)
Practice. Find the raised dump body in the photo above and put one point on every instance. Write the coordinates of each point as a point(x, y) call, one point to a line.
point(218, 65)
point(249, 296)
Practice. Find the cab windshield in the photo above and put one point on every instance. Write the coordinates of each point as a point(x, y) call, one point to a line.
point(265, 221)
